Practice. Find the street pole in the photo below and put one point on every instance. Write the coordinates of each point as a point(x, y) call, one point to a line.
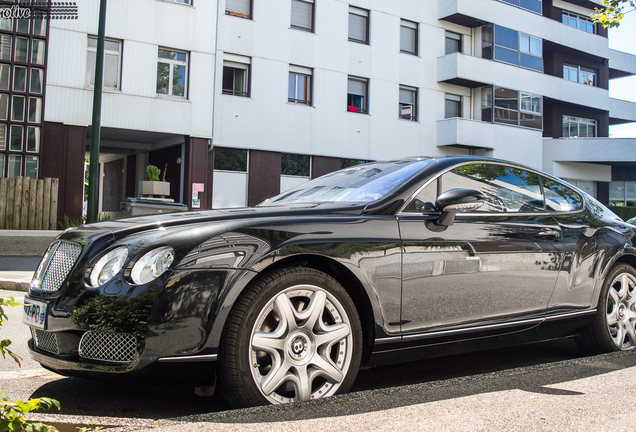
point(93, 168)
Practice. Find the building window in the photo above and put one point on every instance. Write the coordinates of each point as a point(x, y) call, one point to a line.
point(302, 15)
point(32, 164)
point(408, 103)
point(357, 95)
point(453, 42)
point(452, 106)
point(239, 8)
point(236, 76)
point(172, 72)
point(408, 37)
point(531, 5)
point(230, 159)
point(112, 63)
point(579, 74)
point(575, 127)
point(346, 163)
point(622, 193)
point(578, 21)
point(6, 42)
point(2, 163)
point(358, 25)
point(295, 165)
point(299, 87)
point(501, 105)
point(15, 166)
point(511, 46)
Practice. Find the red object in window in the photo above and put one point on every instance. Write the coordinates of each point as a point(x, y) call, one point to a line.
point(352, 108)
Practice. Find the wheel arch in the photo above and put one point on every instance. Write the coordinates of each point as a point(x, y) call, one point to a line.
point(345, 277)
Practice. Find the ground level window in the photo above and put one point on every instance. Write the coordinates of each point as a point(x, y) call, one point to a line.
point(295, 165)
point(229, 159)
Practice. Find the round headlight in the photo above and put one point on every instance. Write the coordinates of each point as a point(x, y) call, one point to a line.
point(108, 266)
point(152, 265)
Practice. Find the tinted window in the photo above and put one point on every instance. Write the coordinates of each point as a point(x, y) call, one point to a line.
point(506, 189)
point(229, 159)
point(559, 197)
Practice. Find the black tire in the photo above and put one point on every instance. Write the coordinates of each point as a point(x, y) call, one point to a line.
point(293, 335)
point(614, 326)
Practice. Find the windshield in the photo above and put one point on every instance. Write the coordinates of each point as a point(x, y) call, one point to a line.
point(357, 184)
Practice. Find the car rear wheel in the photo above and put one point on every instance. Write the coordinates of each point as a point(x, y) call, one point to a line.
point(294, 335)
point(614, 327)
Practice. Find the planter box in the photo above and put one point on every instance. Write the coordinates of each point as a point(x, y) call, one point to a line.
point(154, 188)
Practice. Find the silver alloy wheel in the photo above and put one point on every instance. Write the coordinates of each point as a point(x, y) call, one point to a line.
point(301, 345)
point(621, 311)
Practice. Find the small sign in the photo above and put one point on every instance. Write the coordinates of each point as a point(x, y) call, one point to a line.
point(198, 187)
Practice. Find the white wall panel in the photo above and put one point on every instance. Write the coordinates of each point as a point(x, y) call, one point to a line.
point(229, 190)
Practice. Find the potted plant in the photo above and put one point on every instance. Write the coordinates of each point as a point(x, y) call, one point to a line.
point(154, 186)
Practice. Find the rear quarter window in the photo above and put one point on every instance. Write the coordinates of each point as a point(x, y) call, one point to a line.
point(560, 198)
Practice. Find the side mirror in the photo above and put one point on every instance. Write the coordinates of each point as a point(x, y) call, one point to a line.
point(455, 201)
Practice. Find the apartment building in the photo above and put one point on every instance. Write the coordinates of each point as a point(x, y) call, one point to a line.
point(240, 99)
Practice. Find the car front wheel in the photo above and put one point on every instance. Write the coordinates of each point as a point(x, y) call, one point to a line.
point(614, 327)
point(294, 335)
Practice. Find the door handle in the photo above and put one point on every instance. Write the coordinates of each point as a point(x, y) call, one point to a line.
point(550, 233)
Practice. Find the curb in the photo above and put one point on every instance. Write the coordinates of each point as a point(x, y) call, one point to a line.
point(11, 285)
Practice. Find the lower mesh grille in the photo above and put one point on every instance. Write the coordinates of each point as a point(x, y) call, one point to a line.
point(108, 347)
point(46, 341)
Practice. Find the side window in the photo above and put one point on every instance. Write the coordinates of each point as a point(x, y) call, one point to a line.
point(424, 201)
point(505, 189)
point(560, 198)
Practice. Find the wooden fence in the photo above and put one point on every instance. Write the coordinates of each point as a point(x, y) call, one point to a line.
point(27, 203)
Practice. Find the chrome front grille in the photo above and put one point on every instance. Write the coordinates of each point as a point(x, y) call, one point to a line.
point(46, 341)
point(56, 265)
point(108, 347)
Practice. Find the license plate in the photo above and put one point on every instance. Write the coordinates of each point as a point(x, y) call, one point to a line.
point(34, 313)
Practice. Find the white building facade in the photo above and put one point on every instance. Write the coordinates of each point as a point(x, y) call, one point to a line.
point(240, 99)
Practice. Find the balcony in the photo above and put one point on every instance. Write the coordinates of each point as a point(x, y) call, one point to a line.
point(474, 13)
point(592, 150)
point(469, 71)
point(622, 111)
point(621, 64)
point(461, 132)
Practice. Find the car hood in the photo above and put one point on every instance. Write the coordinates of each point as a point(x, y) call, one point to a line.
point(114, 230)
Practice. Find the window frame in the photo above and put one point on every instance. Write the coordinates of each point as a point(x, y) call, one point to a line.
point(414, 92)
point(364, 109)
point(415, 28)
point(450, 35)
point(237, 63)
point(236, 12)
point(312, 18)
point(306, 159)
point(589, 23)
point(494, 49)
point(458, 99)
point(579, 70)
point(518, 115)
point(307, 74)
point(436, 185)
point(243, 160)
point(171, 63)
point(366, 15)
point(579, 121)
point(90, 66)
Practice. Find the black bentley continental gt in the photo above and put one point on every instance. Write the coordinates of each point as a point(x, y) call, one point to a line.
point(377, 263)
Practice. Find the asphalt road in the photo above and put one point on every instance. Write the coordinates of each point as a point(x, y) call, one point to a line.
point(383, 398)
